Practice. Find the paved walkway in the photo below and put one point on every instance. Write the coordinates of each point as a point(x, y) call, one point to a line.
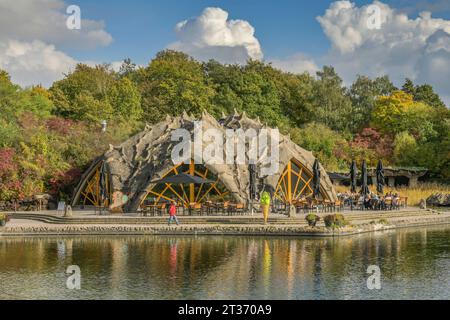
point(93, 214)
point(355, 217)
point(87, 223)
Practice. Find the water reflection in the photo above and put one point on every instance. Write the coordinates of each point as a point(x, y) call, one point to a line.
point(414, 264)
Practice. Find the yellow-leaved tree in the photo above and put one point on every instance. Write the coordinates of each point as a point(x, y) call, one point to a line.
point(400, 113)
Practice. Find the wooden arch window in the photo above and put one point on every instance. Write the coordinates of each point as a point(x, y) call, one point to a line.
point(187, 194)
point(97, 191)
point(295, 183)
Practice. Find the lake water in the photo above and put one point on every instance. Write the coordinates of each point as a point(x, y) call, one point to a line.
point(414, 264)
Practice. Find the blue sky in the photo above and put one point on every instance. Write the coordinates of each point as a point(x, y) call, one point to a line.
point(141, 28)
point(37, 47)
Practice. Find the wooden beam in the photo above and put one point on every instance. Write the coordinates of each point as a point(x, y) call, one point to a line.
point(289, 182)
point(299, 177)
point(212, 186)
point(160, 196)
point(304, 187)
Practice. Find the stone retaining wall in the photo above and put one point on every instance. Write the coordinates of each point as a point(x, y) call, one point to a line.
point(259, 230)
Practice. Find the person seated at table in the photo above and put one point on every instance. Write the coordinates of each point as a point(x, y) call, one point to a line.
point(375, 201)
point(348, 199)
point(367, 199)
point(395, 200)
point(361, 201)
point(388, 201)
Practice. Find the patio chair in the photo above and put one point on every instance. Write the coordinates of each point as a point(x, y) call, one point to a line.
point(396, 203)
point(208, 207)
point(338, 205)
point(388, 203)
point(161, 209)
point(223, 207)
point(240, 208)
point(328, 206)
point(195, 208)
point(310, 205)
point(145, 210)
point(403, 202)
point(360, 204)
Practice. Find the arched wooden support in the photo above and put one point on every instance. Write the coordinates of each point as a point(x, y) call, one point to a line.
point(295, 183)
point(194, 193)
point(92, 194)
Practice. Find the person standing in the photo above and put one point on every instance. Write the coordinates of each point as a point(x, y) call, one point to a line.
point(265, 205)
point(173, 213)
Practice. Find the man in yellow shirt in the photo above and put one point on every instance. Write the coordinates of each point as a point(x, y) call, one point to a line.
point(265, 205)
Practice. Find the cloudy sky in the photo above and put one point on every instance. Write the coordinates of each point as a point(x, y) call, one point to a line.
point(412, 39)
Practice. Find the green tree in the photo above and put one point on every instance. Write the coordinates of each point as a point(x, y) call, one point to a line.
point(423, 93)
point(322, 141)
point(399, 112)
point(125, 100)
point(128, 68)
point(405, 149)
point(426, 94)
point(86, 107)
point(226, 81)
point(408, 87)
point(172, 83)
point(84, 84)
point(363, 93)
point(332, 106)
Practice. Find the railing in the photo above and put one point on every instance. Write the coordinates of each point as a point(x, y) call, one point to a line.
point(192, 209)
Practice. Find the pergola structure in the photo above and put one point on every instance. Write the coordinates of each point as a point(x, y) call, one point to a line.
point(191, 193)
point(122, 179)
point(294, 183)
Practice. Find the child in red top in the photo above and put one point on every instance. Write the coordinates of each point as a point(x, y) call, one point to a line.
point(173, 213)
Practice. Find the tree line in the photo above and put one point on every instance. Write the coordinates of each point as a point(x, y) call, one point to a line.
point(49, 136)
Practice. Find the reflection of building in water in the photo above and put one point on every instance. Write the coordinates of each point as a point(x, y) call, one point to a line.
point(119, 255)
point(220, 267)
point(292, 257)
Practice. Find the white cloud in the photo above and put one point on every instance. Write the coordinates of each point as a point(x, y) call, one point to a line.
point(297, 63)
point(34, 62)
point(403, 47)
point(212, 36)
point(33, 35)
point(45, 20)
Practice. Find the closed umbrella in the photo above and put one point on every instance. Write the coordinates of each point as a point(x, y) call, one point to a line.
point(316, 179)
point(252, 185)
point(380, 177)
point(353, 175)
point(364, 187)
point(252, 181)
point(103, 187)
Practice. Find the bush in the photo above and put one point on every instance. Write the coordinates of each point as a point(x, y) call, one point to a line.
point(312, 219)
point(3, 219)
point(335, 221)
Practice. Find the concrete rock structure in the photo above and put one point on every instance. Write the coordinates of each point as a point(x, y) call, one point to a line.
point(393, 176)
point(121, 179)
